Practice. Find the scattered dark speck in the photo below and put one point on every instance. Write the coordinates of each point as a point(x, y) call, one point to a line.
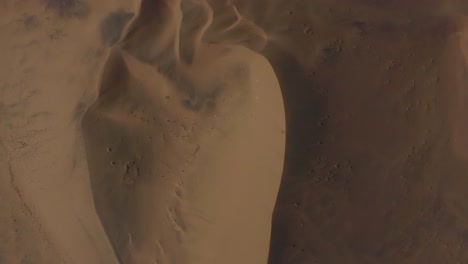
point(194, 105)
point(331, 52)
point(69, 8)
point(56, 34)
point(30, 22)
point(112, 26)
point(131, 174)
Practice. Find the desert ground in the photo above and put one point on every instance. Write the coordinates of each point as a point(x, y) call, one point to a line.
point(233, 131)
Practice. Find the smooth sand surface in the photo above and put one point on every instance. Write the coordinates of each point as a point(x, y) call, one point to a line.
point(154, 131)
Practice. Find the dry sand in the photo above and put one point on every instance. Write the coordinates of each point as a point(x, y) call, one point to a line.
point(154, 131)
point(131, 140)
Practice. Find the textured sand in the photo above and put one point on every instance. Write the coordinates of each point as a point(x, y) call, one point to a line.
point(154, 131)
point(185, 146)
point(140, 142)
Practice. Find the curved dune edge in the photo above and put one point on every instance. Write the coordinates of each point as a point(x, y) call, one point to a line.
point(46, 209)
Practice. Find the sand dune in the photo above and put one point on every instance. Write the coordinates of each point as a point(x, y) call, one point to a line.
point(154, 131)
point(174, 129)
point(189, 123)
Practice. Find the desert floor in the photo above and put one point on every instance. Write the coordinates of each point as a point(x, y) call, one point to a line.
point(222, 132)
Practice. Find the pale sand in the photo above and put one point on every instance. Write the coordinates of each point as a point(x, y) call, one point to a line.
point(183, 140)
point(138, 132)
